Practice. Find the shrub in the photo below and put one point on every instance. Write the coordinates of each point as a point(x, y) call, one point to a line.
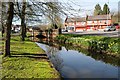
point(62, 38)
point(93, 43)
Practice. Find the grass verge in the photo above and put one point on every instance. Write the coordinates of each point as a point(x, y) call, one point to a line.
point(27, 60)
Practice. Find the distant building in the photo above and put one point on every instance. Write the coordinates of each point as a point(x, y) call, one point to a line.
point(76, 24)
point(88, 23)
point(16, 28)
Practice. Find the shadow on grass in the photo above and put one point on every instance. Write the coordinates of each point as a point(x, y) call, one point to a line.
point(29, 55)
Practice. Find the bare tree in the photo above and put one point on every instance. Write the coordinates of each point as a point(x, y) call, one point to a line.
point(10, 13)
point(23, 24)
point(30, 11)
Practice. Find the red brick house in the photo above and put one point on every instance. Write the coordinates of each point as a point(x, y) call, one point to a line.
point(98, 22)
point(88, 23)
point(76, 24)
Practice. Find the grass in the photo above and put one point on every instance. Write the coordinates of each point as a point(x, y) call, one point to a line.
point(27, 60)
point(24, 67)
point(20, 47)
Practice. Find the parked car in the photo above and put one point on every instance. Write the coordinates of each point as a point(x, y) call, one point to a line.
point(64, 30)
point(110, 28)
point(118, 27)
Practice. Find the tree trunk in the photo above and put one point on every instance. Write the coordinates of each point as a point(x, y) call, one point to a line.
point(23, 30)
point(8, 28)
point(23, 33)
point(3, 30)
point(59, 31)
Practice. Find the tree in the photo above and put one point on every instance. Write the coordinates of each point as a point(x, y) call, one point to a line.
point(20, 11)
point(55, 15)
point(97, 10)
point(23, 24)
point(10, 13)
point(106, 9)
point(52, 11)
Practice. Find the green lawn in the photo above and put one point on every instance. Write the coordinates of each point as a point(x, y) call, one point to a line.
point(27, 61)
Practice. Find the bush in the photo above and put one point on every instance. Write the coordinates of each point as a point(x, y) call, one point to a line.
point(93, 43)
point(61, 38)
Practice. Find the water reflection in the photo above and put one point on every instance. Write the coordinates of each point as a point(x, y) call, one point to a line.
point(53, 55)
point(101, 57)
point(74, 64)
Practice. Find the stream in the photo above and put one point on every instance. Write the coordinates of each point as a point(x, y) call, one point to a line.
point(71, 63)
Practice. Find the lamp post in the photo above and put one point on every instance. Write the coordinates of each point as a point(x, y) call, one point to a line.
point(107, 14)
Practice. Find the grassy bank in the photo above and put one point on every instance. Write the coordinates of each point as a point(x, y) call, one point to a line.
point(97, 44)
point(27, 60)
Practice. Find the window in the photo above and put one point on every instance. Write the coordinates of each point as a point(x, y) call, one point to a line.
point(70, 28)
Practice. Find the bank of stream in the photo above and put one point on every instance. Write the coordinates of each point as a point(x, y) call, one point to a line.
point(97, 44)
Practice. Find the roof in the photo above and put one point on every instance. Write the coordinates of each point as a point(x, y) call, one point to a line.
point(89, 18)
point(99, 17)
point(76, 19)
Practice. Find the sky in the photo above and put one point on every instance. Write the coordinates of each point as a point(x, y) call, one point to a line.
point(87, 6)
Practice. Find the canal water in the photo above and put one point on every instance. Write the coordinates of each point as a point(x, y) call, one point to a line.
point(75, 64)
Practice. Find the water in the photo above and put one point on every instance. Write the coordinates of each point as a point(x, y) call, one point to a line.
point(75, 64)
